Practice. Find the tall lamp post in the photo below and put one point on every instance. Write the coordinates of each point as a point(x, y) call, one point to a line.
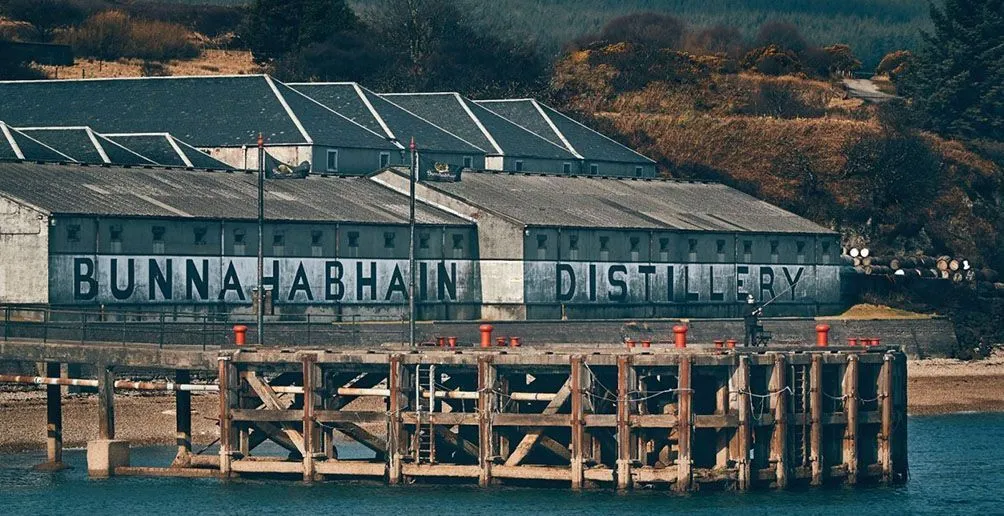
point(261, 236)
point(412, 177)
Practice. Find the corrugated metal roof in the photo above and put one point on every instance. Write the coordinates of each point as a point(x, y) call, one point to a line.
point(210, 111)
point(570, 201)
point(86, 146)
point(166, 150)
point(473, 123)
point(560, 129)
point(158, 192)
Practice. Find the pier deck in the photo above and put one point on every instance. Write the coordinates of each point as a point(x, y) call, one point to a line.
point(580, 416)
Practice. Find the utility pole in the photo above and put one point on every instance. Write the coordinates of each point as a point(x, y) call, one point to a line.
point(261, 238)
point(412, 177)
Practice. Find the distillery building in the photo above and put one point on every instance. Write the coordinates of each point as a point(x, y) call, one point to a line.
point(134, 239)
point(555, 246)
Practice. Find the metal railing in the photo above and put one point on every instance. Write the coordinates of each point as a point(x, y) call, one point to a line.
point(207, 330)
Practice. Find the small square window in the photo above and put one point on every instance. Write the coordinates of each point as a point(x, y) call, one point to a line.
point(800, 247)
point(423, 240)
point(353, 239)
point(73, 233)
point(384, 159)
point(692, 245)
point(594, 169)
point(604, 243)
point(635, 242)
point(774, 244)
point(573, 242)
point(541, 241)
point(332, 164)
point(388, 240)
point(519, 166)
point(278, 239)
point(115, 232)
point(158, 240)
point(316, 237)
point(458, 242)
point(663, 245)
point(468, 162)
point(638, 171)
point(826, 248)
point(720, 247)
point(566, 168)
point(747, 247)
point(199, 235)
point(239, 236)
point(158, 233)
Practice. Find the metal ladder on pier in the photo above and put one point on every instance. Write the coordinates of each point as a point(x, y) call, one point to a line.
point(798, 434)
point(425, 403)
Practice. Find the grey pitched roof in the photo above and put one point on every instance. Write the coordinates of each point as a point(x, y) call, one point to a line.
point(167, 150)
point(383, 116)
point(73, 189)
point(209, 111)
point(84, 145)
point(569, 201)
point(563, 130)
point(16, 145)
point(487, 130)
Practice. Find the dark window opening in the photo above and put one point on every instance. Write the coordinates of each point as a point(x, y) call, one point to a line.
point(692, 243)
point(519, 166)
point(720, 246)
point(353, 239)
point(774, 244)
point(573, 242)
point(663, 245)
point(199, 235)
point(458, 242)
point(423, 241)
point(115, 232)
point(541, 241)
point(73, 233)
point(384, 159)
point(635, 241)
point(566, 168)
point(637, 171)
point(604, 243)
point(594, 169)
point(826, 248)
point(747, 247)
point(316, 237)
point(158, 233)
point(800, 247)
point(468, 162)
point(239, 235)
point(388, 240)
point(278, 239)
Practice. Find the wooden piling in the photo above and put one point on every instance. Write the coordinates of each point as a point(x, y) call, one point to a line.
point(685, 416)
point(742, 385)
point(885, 407)
point(486, 407)
point(226, 383)
point(54, 417)
point(851, 407)
point(816, 414)
point(183, 420)
point(577, 459)
point(624, 458)
point(396, 402)
point(779, 406)
point(310, 381)
point(106, 402)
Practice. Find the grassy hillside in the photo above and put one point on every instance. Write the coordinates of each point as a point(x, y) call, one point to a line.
point(872, 27)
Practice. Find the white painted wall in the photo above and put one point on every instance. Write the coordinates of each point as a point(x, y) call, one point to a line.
point(24, 254)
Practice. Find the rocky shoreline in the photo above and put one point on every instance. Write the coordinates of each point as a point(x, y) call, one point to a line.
point(936, 386)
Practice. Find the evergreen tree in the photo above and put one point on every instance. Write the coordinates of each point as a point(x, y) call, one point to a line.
point(958, 80)
point(275, 28)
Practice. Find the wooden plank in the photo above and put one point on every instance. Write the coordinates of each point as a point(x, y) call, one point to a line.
point(443, 418)
point(310, 384)
point(226, 381)
point(486, 406)
point(600, 420)
point(885, 407)
point(654, 421)
point(365, 438)
point(266, 415)
point(779, 405)
point(441, 470)
point(106, 402)
point(851, 405)
point(350, 468)
point(54, 417)
point(685, 413)
point(577, 429)
point(600, 474)
point(272, 402)
point(182, 421)
point(816, 411)
point(396, 439)
point(342, 416)
point(743, 438)
point(532, 472)
point(454, 439)
point(716, 421)
point(266, 431)
point(532, 420)
point(267, 466)
point(533, 435)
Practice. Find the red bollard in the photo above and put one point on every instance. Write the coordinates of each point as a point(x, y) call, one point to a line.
point(680, 334)
point(500, 341)
point(852, 342)
point(646, 343)
point(866, 342)
point(486, 335)
point(240, 334)
point(822, 335)
point(876, 342)
point(452, 341)
point(731, 343)
point(514, 342)
point(441, 342)
point(630, 343)
point(719, 344)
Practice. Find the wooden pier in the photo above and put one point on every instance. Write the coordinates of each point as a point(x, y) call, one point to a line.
point(584, 417)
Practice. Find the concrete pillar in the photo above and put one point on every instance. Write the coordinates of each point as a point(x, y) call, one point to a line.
point(54, 416)
point(104, 455)
point(396, 402)
point(684, 427)
point(816, 412)
point(106, 402)
point(310, 380)
point(486, 405)
point(183, 420)
point(624, 386)
point(577, 424)
point(779, 405)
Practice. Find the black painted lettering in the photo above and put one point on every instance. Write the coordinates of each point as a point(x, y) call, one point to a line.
point(423, 281)
point(715, 296)
point(196, 282)
point(766, 283)
point(792, 282)
point(272, 280)
point(397, 285)
point(447, 290)
point(232, 282)
point(333, 272)
point(123, 293)
point(691, 296)
point(366, 281)
point(564, 294)
point(592, 282)
point(670, 282)
point(614, 277)
point(83, 274)
point(648, 271)
point(158, 279)
point(741, 270)
point(300, 284)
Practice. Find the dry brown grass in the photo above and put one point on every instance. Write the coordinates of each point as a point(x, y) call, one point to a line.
point(211, 62)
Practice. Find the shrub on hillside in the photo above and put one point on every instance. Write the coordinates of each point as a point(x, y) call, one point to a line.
point(772, 60)
point(894, 64)
point(720, 39)
point(114, 34)
point(44, 15)
point(653, 30)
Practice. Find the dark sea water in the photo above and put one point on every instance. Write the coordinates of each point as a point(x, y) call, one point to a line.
point(956, 466)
